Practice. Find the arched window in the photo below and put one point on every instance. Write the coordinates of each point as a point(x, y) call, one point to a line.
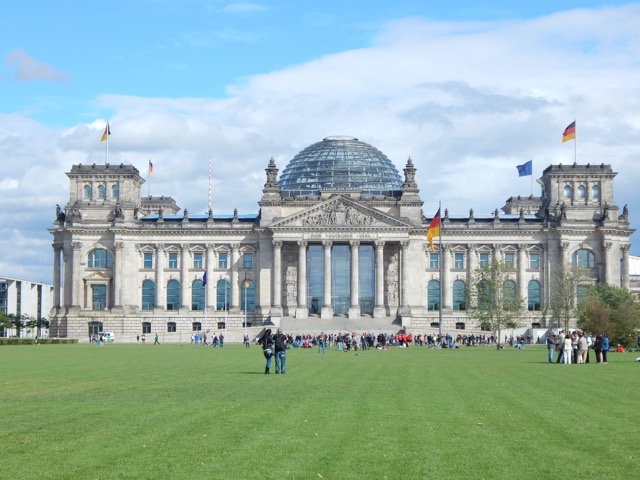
point(582, 191)
point(115, 191)
point(197, 295)
point(533, 295)
point(433, 295)
point(223, 295)
point(87, 191)
point(509, 291)
point(148, 294)
point(584, 259)
point(173, 295)
point(595, 192)
point(99, 258)
point(568, 191)
point(102, 192)
point(459, 295)
point(247, 296)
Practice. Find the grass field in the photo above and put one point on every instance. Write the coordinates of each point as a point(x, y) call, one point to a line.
point(174, 412)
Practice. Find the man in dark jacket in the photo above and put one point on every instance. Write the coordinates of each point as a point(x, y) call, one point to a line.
point(280, 347)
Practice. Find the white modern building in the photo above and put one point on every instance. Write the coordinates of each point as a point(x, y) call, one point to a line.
point(338, 242)
point(23, 297)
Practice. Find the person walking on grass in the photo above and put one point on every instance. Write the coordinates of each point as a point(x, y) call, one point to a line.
point(156, 342)
point(280, 341)
point(267, 349)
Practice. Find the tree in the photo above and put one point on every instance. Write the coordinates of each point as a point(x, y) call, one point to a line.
point(493, 299)
point(564, 287)
point(611, 310)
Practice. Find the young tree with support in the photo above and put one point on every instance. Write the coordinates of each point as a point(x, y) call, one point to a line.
point(493, 299)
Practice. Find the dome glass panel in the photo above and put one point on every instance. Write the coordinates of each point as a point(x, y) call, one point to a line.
point(340, 163)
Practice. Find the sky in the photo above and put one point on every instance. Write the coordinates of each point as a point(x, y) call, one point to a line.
point(467, 89)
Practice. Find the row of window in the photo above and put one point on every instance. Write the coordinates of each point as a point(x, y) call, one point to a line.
point(223, 295)
point(101, 258)
point(87, 192)
point(96, 327)
point(583, 258)
point(459, 294)
point(198, 260)
point(581, 192)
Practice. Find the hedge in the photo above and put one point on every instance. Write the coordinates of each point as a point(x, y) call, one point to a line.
point(41, 341)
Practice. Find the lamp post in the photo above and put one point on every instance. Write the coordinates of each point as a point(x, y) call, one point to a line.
point(246, 287)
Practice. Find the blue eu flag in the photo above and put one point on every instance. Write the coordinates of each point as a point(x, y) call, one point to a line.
point(525, 169)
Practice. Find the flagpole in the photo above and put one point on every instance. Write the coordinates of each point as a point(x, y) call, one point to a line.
point(209, 184)
point(106, 159)
point(531, 176)
point(440, 262)
point(575, 141)
point(149, 175)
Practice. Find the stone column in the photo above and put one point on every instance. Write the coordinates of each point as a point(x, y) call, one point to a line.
point(523, 291)
point(56, 276)
point(607, 263)
point(210, 286)
point(327, 309)
point(379, 311)
point(625, 266)
point(302, 311)
point(404, 279)
point(77, 283)
point(235, 286)
point(185, 286)
point(445, 281)
point(161, 289)
point(67, 287)
point(354, 308)
point(276, 302)
point(118, 283)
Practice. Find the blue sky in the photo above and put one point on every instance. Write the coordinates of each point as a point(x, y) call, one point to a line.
point(467, 89)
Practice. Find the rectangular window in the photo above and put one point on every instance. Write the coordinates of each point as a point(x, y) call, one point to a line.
point(173, 260)
point(434, 261)
point(247, 261)
point(148, 260)
point(146, 327)
point(171, 327)
point(534, 261)
point(4, 297)
point(484, 259)
point(458, 261)
point(197, 260)
point(509, 259)
point(222, 260)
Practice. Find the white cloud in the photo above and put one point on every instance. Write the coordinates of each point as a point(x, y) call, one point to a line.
point(30, 69)
point(467, 101)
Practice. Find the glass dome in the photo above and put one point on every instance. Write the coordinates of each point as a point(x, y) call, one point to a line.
point(340, 163)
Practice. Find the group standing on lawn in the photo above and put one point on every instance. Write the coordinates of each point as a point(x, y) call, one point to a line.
point(574, 347)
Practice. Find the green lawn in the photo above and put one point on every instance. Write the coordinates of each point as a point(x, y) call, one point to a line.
point(172, 412)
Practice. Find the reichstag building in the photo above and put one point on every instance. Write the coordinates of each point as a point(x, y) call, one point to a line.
point(338, 243)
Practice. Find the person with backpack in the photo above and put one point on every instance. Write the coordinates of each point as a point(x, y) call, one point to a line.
point(267, 349)
point(280, 342)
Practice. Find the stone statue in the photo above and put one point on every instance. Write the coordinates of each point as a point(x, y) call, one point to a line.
point(60, 216)
point(117, 211)
point(625, 212)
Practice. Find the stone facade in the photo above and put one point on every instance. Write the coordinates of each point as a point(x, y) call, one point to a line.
point(111, 245)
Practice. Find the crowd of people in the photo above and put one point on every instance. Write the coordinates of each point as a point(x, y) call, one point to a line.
point(574, 347)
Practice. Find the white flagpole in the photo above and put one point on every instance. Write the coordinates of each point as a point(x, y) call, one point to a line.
point(209, 184)
point(440, 268)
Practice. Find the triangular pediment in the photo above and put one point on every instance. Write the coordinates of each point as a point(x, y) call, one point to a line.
point(339, 212)
point(97, 277)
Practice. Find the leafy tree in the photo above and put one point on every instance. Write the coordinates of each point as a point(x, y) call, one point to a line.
point(564, 287)
point(611, 310)
point(493, 299)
